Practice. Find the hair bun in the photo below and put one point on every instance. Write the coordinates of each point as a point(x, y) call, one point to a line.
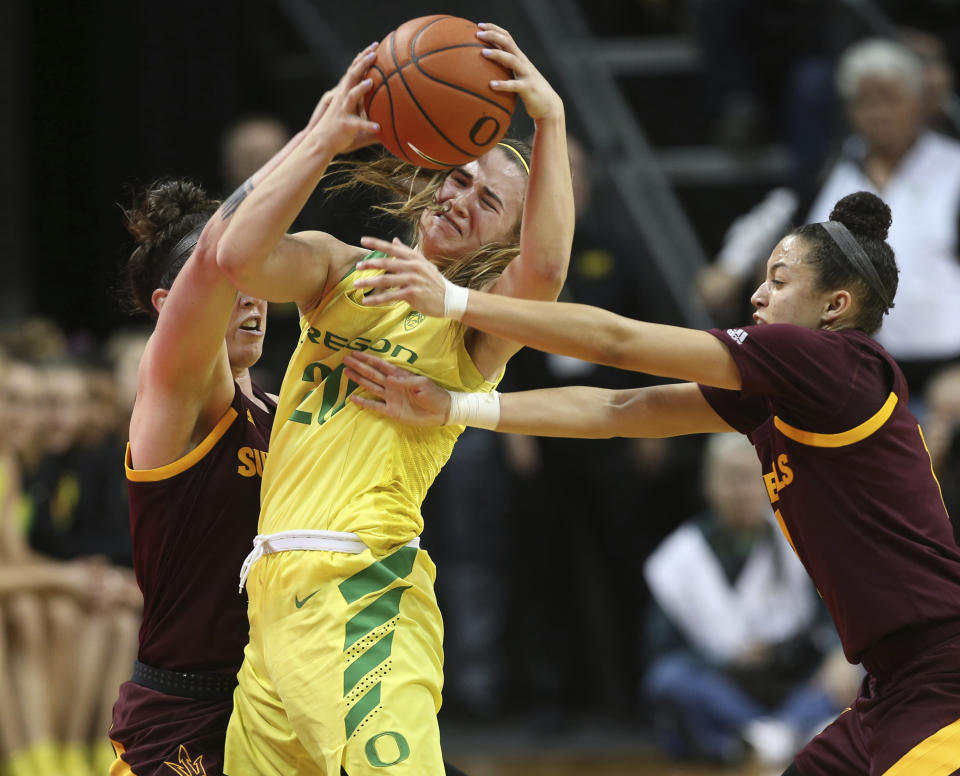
point(163, 204)
point(863, 214)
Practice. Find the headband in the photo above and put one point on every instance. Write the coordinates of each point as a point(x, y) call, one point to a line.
point(519, 156)
point(179, 254)
point(857, 257)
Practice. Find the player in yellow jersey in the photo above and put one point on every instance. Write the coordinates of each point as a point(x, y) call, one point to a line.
point(343, 671)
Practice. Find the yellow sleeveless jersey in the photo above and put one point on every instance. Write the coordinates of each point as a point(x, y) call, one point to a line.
point(333, 466)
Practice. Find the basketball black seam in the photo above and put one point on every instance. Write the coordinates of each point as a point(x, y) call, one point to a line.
point(393, 119)
point(399, 71)
point(416, 61)
point(393, 123)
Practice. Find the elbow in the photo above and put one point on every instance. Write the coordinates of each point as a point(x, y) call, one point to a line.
point(550, 275)
point(205, 252)
point(231, 261)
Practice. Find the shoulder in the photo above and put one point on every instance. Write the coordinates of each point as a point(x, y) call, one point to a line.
point(340, 258)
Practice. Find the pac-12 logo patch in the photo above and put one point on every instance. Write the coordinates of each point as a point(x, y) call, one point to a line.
point(737, 335)
point(186, 766)
point(413, 320)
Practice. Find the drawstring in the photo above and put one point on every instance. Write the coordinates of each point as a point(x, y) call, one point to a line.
point(258, 542)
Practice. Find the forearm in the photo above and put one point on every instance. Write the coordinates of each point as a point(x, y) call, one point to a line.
point(548, 214)
point(267, 208)
point(575, 411)
point(600, 413)
point(602, 337)
point(216, 227)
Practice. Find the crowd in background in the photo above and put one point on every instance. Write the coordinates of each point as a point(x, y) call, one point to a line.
point(588, 622)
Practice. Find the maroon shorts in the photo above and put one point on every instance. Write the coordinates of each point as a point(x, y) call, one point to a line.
point(904, 724)
point(151, 729)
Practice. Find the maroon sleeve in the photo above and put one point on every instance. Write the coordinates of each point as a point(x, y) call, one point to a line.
point(812, 378)
point(742, 411)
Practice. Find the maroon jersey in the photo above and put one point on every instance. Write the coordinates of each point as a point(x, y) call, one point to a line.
point(193, 522)
point(848, 475)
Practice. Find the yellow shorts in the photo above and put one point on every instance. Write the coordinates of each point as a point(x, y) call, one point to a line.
point(344, 667)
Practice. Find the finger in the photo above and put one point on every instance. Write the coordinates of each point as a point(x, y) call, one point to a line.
point(368, 385)
point(505, 86)
point(375, 369)
point(363, 59)
point(384, 297)
point(367, 136)
point(378, 282)
point(498, 37)
point(365, 265)
point(395, 248)
point(382, 366)
point(369, 404)
point(491, 27)
point(392, 268)
point(356, 93)
point(510, 61)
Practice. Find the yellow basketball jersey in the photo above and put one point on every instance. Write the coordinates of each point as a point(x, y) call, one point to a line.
point(333, 466)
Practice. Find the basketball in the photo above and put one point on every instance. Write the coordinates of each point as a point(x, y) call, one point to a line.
point(431, 93)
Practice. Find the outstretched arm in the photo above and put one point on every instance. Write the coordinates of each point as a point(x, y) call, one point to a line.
point(584, 332)
point(577, 411)
point(546, 234)
point(185, 379)
point(256, 253)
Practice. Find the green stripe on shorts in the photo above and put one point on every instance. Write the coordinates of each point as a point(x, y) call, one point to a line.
point(364, 664)
point(361, 708)
point(379, 574)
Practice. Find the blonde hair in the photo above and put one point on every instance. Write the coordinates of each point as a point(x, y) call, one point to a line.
point(411, 191)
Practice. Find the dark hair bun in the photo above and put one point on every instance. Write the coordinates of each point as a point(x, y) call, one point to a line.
point(863, 213)
point(165, 203)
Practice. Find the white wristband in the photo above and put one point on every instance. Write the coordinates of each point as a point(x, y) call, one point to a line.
point(454, 300)
point(481, 410)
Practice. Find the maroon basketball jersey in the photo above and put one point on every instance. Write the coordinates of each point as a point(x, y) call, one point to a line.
point(848, 475)
point(193, 523)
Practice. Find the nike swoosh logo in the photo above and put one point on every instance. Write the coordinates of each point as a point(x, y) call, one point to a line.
point(300, 603)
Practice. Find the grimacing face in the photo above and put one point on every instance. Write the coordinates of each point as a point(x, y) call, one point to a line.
point(483, 202)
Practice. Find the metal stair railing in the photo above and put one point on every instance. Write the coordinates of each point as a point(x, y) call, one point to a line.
point(621, 150)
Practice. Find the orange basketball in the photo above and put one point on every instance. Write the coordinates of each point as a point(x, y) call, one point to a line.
point(431, 93)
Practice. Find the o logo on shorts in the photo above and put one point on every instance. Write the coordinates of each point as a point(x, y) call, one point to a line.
point(373, 756)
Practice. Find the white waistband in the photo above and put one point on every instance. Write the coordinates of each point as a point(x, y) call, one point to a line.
point(332, 541)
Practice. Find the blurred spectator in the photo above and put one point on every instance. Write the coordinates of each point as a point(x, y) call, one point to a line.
point(59, 622)
point(941, 430)
point(247, 145)
point(743, 653)
point(938, 80)
point(78, 492)
point(917, 173)
point(123, 351)
point(891, 97)
point(71, 627)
